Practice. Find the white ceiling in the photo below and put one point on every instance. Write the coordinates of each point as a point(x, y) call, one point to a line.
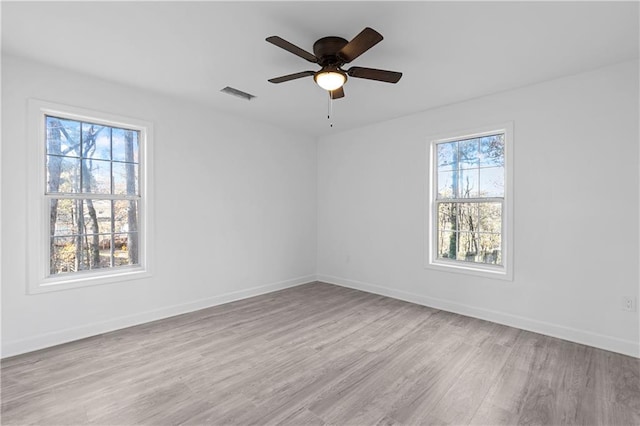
point(448, 51)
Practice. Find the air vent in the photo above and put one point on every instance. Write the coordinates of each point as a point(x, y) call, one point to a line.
point(239, 93)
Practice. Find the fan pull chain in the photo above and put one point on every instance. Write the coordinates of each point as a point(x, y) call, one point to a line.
point(330, 108)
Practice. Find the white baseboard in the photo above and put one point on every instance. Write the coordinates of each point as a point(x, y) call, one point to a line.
point(613, 344)
point(626, 347)
point(17, 347)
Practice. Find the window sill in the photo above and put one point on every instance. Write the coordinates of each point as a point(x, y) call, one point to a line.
point(90, 278)
point(499, 273)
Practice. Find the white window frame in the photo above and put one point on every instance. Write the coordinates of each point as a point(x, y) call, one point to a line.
point(505, 271)
point(39, 279)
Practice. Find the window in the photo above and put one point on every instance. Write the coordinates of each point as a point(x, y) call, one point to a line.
point(470, 204)
point(90, 221)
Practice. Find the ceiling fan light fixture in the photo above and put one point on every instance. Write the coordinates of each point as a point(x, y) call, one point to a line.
point(330, 79)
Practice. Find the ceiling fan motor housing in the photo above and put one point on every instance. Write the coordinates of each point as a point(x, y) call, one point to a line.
point(326, 50)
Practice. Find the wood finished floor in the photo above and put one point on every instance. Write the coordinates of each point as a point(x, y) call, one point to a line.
point(321, 354)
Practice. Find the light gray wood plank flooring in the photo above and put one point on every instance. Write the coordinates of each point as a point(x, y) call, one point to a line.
point(321, 354)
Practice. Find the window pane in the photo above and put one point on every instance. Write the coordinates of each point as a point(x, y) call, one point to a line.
point(96, 177)
point(125, 216)
point(135, 136)
point(125, 249)
point(97, 216)
point(490, 217)
point(125, 145)
point(96, 142)
point(63, 174)
point(468, 153)
point(468, 217)
point(468, 246)
point(447, 243)
point(90, 132)
point(447, 184)
point(492, 150)
point(63, 214)
point(63, 137)
point(104, 245)
point(63, 255)
point(447, 156)
point(469, 185)
point(447, 216)
point(490, 252)
point(492, 182)
point(125, 178)
point(95, 255)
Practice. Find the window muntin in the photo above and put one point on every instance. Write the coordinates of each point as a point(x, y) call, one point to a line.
point(470, 203)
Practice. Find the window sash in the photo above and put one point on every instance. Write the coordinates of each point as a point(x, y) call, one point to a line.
point(437, 230)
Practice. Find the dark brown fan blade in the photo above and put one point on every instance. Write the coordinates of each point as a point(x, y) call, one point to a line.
point(338, 93)
point(374, 74)
point(291, 77)
point(360, 44)
point(284, 44)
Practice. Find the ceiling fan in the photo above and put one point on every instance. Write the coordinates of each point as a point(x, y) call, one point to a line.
point(331, 53)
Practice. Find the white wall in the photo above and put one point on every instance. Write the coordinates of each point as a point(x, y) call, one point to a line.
point(235, 210)
point(254, 186)
point(576, 209)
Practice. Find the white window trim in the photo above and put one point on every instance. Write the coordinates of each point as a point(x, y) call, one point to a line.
point(38, 279)
point(504, 272)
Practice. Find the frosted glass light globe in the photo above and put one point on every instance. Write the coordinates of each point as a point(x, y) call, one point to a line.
point(330, 80)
